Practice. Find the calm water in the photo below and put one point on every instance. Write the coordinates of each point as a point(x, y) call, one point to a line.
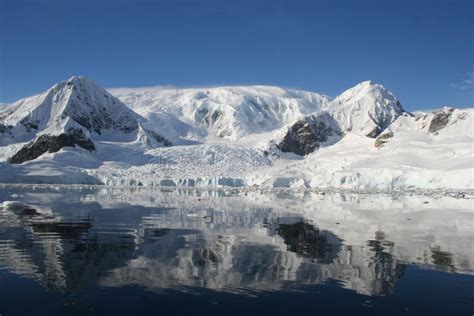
point(103, 251)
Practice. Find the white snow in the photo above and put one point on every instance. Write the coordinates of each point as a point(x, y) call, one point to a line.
point(68, 104)
point(357, 108)
point(238, 111)
point(223, 136)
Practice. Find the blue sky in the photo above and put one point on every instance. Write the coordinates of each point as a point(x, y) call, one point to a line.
point(420, 50)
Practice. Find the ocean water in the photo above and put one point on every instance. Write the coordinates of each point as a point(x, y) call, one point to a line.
point(126, 252)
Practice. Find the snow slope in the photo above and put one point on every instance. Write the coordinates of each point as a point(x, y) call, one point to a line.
point(225, 112)
point(254, 136)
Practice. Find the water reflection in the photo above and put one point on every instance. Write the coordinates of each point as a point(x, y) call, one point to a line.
point(308, 242)
point(158, 240)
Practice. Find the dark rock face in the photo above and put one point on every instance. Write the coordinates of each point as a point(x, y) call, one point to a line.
point(383, 121)
point(212, 119)
point(157, 138)
point(206, 117)
point(99, 119)
point(440, 120)
point(48, 143)
point(29, 124)
point(382, 139)
point(376, 131)
point(5, 129)
point(305, 136)
point(96, 109)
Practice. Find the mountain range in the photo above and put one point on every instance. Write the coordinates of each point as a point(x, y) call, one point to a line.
point(251, 136)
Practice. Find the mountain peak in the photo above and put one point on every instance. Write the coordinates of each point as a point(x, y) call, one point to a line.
point(366, 83)
point(79, 99)
point(78, 79)
point(367, 108)
point(366, 90)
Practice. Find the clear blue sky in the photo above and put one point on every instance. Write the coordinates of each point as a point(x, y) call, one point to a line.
point(420, 50)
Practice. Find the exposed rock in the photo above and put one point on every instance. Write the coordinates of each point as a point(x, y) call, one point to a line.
point(207, 118)
point(154, 137)
point(100, 120)
point(383, 120)
point(52, 143)
point(462, 116)
point(162, 140)
point(29, 125)
point(305, 136)
point(440, 120)
point(378, 129)
point(151, 138)
point(96, 109)
point(382, 139)
point(5, 129)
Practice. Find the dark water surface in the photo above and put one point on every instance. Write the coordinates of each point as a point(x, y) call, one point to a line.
point(128, 252)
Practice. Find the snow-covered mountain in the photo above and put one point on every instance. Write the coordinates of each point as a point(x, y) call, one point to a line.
point(75, 102)
point(73, 112)
point(224, 112)
point(234, 136)
point(236, 112)
point(367, 109)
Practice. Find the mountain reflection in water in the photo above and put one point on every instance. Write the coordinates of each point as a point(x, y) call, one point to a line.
point(158, 240)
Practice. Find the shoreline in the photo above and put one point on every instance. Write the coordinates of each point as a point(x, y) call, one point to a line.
point(227, 190)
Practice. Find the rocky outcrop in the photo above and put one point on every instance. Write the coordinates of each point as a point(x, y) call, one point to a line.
point(440, 120)
point(383, 139)
point(30, 125)
point(156, 138)
point(207, 118)
point(5, 129)
point(381, 124)
point(213, 119)
point(51, 144)
point(151, 139)
point(306, 135)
